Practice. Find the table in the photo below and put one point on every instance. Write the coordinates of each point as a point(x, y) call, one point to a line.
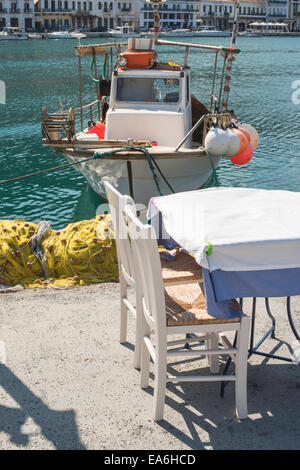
point(246, 240)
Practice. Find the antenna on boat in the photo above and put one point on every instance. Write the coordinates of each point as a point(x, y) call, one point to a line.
point(79, 36)
point(155, 4)
point(230, 56)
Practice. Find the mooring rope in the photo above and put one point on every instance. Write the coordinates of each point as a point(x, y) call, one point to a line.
point(151, 161)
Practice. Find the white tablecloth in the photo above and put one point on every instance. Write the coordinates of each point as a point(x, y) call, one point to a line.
point(248, 229)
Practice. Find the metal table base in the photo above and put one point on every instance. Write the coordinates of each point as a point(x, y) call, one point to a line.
point(253, 349)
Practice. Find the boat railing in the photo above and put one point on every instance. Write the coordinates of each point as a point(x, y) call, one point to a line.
point(208, 120)
point(56, 125)
point(91, 110)
point(62, 124)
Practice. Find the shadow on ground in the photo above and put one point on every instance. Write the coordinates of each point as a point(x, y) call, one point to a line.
point(59, 427)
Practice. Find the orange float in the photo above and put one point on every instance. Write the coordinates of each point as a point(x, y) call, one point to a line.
point(246, 133)
point(245, 157)
point(244, 140)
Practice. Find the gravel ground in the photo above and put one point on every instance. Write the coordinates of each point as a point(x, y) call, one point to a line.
point(67, 383)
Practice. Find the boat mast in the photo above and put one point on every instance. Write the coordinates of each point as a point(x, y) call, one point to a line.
point(155, 4)
point(230, 57)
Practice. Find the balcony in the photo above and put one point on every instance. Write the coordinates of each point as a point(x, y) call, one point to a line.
point(14, 10)
point(83, 13)
point(251, 13)
point(277, 15)
point(56, 10)
point(3, 10)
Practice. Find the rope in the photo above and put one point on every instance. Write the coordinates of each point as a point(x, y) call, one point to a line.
point(49, 170)
point(213, 180)
point(152, 163)
point(91, 70)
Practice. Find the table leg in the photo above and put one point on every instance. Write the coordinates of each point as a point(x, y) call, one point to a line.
point(271, 331)
point(288, 307)
point(270, 316)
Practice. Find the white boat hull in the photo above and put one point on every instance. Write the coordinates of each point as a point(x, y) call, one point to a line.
point(183, 174)
point(64, 35)
point(3, 37)
point(212, 34)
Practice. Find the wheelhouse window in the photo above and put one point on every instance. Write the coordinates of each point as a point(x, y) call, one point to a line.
point(150, 90)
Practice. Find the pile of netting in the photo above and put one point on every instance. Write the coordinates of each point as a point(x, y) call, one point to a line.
point(34, 255)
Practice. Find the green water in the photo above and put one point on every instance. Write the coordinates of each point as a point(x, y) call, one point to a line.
point(38, 73)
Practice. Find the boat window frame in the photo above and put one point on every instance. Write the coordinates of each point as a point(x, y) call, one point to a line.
point(187, 90)
point(150, 103)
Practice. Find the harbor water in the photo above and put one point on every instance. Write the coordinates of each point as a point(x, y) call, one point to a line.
point(264, 93)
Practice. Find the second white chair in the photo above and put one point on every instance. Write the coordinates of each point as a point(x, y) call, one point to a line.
point(171, 312)
point(184, 270)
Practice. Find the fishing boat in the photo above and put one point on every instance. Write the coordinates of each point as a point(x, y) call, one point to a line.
point(123, 32)
point(178, 32)
point(145, 129)
point(65, 35)
point(35, 36)
point(211, 33)
point(250, 34)
point(12, 33)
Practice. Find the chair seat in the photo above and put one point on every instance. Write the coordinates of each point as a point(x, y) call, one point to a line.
point(185, 305)
point(183, 269)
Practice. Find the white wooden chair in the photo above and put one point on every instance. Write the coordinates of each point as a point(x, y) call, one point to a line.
point(183, 270)
point(171, 312)
point(117, 203)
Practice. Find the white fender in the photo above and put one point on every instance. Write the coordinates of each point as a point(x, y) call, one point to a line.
point(216, 142)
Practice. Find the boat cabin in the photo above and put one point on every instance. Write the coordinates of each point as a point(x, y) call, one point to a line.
point(153, 105)
point(12, 31)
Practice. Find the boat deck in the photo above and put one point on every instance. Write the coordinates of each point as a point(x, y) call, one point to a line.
point(157, 152)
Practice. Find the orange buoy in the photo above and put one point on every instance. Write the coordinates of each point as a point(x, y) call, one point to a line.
point(246, 133)
point(243, 140)
point(245, 157)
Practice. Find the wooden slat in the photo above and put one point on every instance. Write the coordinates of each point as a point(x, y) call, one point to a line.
point(164, 42)
point(88, 148)
point(96, 49)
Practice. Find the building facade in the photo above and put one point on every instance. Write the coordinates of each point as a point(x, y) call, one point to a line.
point(220, 13)
point(17, 13)
point(94, 15)
point(87, 15)
point(173, 14)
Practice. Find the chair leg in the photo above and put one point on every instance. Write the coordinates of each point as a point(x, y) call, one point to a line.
point(138, 335)
point(213, 359)
point(160, 385)
point(241, 369)
point(124, 311)
point(145, 355)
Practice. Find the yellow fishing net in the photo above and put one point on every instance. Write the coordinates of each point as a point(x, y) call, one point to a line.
point(82, 253)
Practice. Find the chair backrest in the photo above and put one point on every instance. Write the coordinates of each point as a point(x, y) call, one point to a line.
point(148, 268)
point(117, 203)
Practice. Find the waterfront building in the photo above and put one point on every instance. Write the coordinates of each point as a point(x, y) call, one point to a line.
point(173, 14)
point(17, 13)
point(250, 12)
point(88, 15)
point(220, 13)
point(128, 13)
point(54, 15)
point(294, 15)
point(277, 10)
